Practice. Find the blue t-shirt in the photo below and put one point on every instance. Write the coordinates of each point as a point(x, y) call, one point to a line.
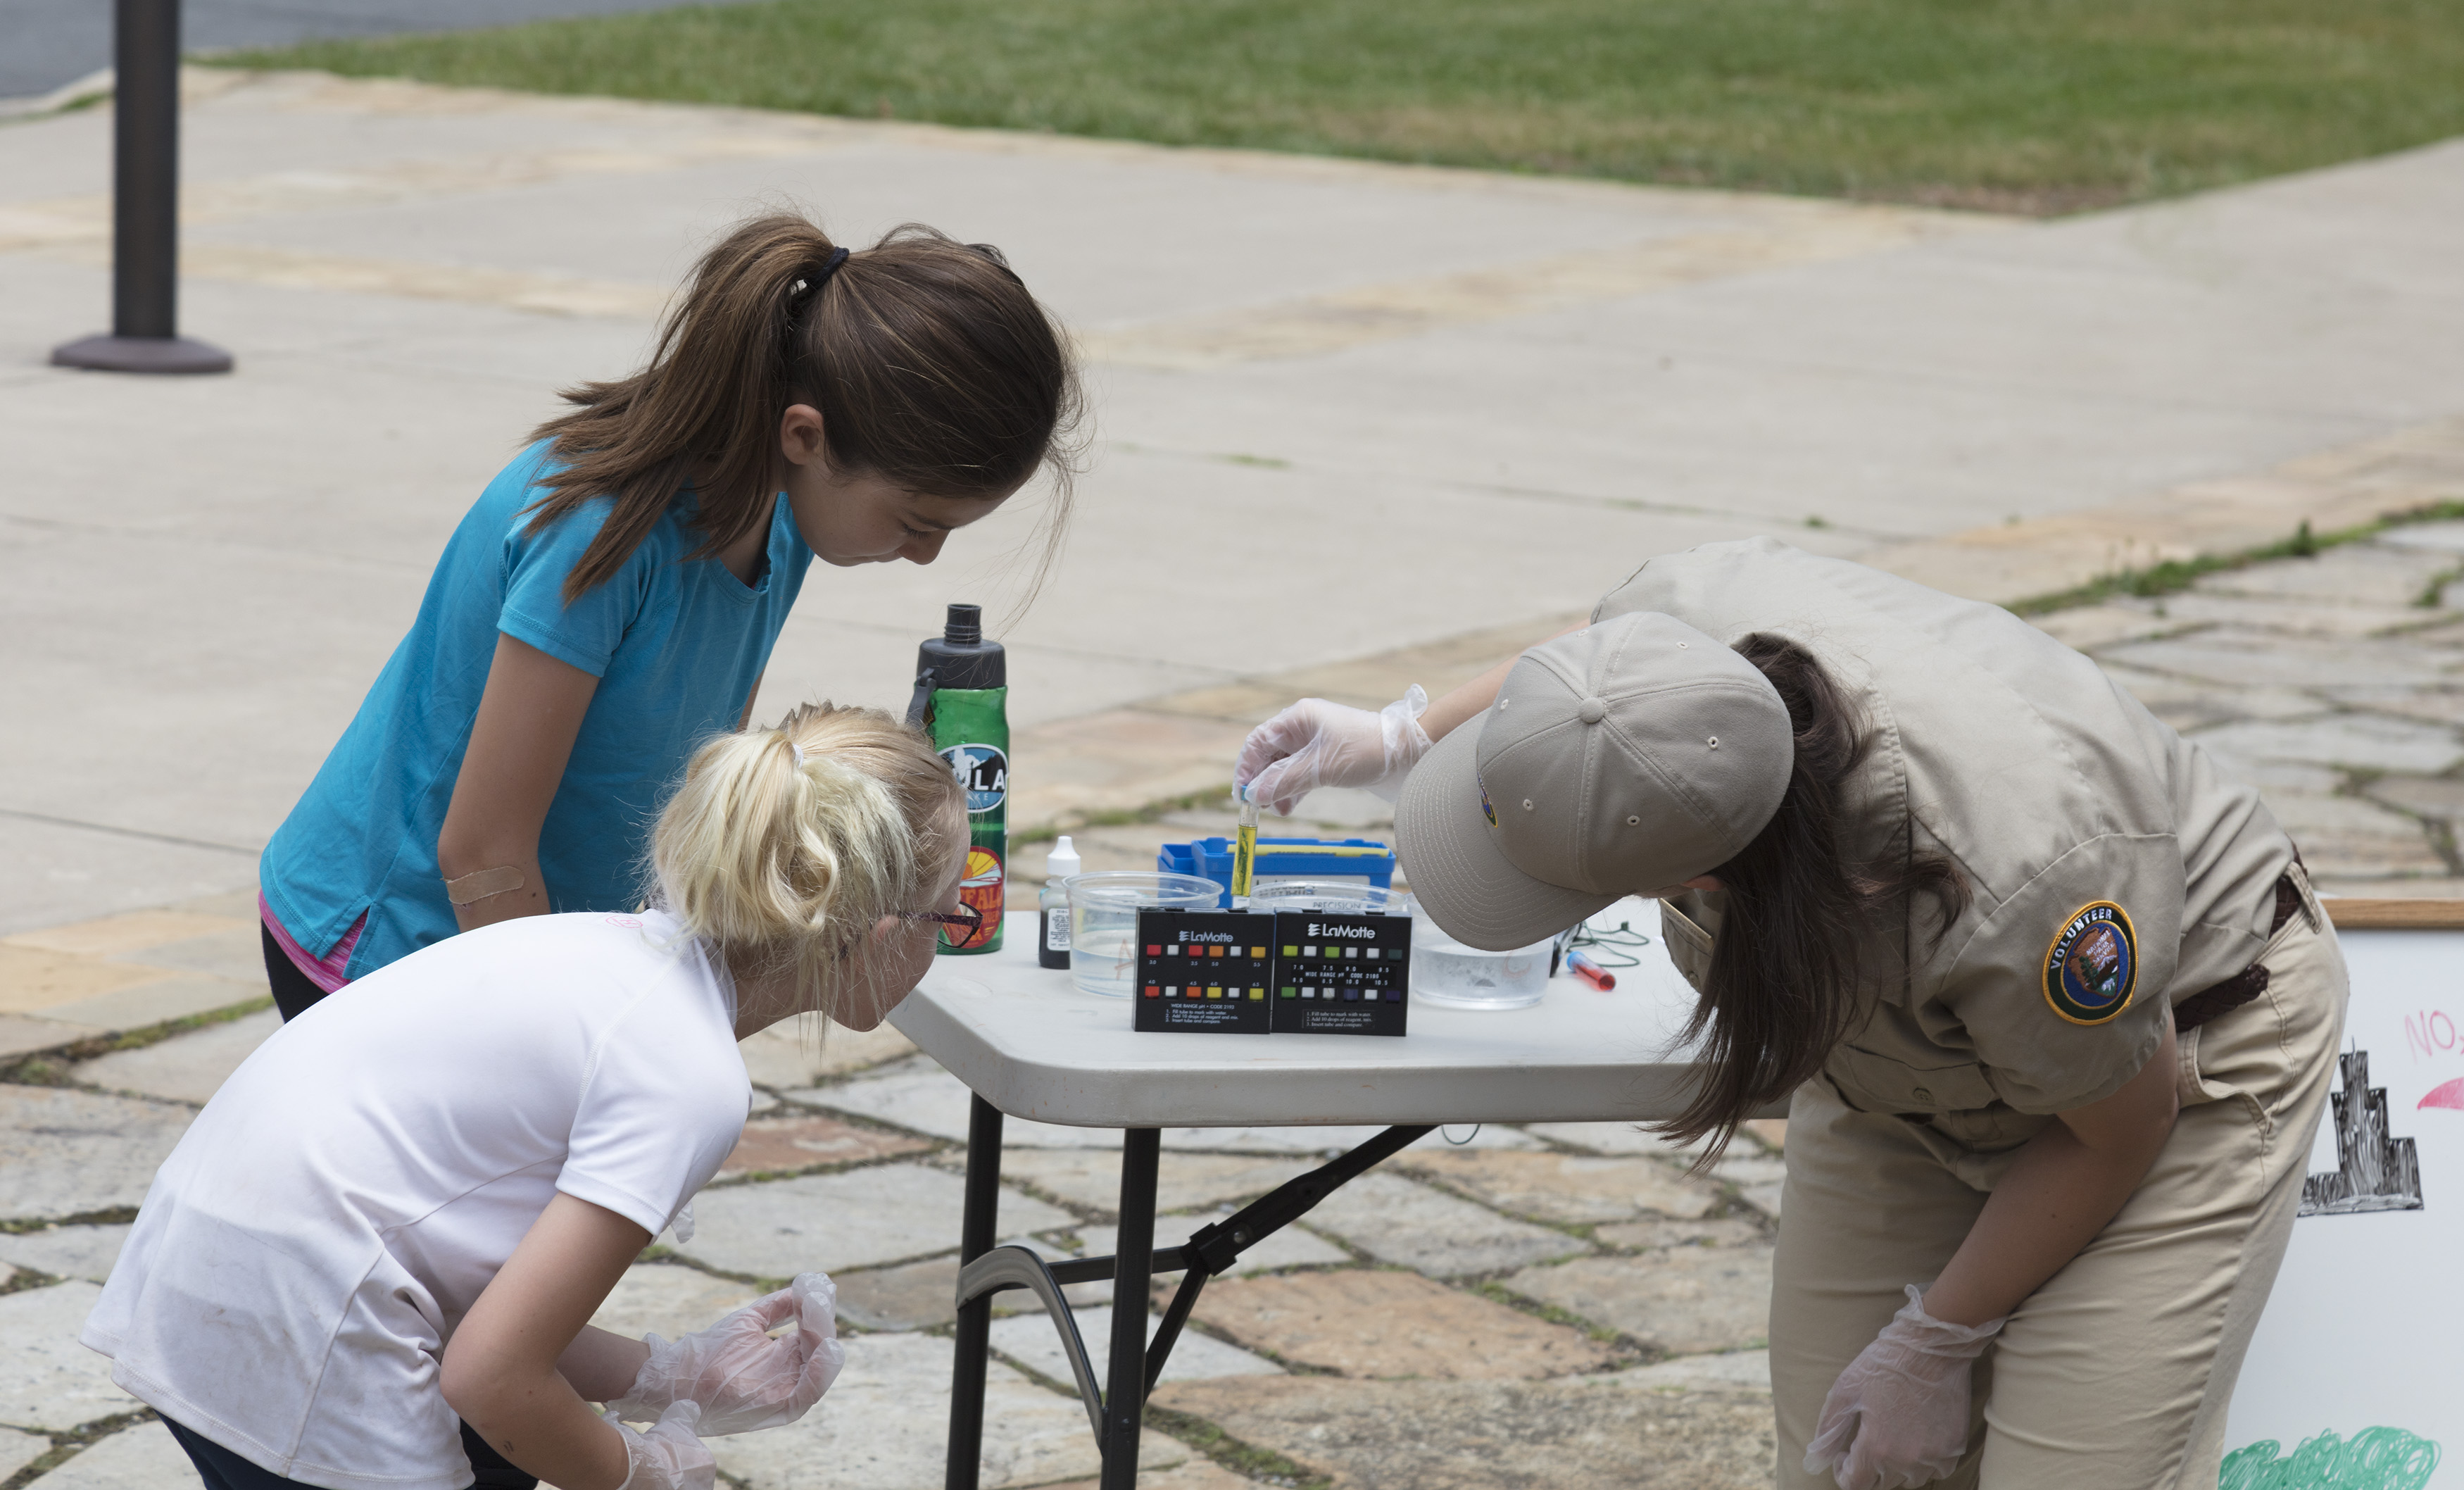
point(676, 648)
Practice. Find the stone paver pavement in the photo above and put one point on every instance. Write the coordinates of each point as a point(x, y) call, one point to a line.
point(2336, 683)
point(1564, 1189)
point(884, 1422)
point(17, 1449)
point(1091, 1178)
point(140, 1457)
point(1394, 1220)
point(187, 1070)
point(1029, 1341)
point(784, 1145)
point(46, 1379)
point(85, 1252)
point(67, 1153)
point(888, 1214)
point(1388, 1322)
point(1494, 1434)
point(63, 983)
point(1687, 1301)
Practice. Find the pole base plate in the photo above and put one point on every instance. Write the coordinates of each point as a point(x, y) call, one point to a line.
point(141, 354)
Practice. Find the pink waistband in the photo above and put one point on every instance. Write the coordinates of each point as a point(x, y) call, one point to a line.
point(329, 972)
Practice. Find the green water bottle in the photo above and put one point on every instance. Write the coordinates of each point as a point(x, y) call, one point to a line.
point(961, 694)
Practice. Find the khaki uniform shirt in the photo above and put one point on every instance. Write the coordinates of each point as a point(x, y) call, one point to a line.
point(2110, 870)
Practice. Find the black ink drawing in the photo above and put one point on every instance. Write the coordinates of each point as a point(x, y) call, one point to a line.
point(2373, 1171)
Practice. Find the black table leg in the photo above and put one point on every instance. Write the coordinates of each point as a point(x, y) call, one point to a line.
point(976, 1317)
point(1125, 1393)
point(1135, 1364)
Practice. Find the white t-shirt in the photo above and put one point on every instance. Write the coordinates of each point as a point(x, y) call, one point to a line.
point(311, 1244)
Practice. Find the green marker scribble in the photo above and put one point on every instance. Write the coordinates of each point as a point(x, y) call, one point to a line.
point(2378, 1459)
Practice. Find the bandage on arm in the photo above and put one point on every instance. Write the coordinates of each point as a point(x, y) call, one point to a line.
point(529, 715)
point(472, 888)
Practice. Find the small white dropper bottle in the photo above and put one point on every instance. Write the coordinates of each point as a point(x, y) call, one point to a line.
point(1053, 946)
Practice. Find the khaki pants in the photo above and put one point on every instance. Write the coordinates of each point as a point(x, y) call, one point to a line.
point(2116, 1373)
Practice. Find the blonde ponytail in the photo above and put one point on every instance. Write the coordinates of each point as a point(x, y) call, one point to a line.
point(783, 847)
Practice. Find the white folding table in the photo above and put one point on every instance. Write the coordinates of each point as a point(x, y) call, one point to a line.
point(1029, 1044)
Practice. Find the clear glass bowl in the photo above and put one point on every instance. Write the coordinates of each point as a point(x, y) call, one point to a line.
point(1104, 921)
point(1445, 971)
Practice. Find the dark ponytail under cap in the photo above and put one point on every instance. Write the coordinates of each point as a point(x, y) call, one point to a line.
point(1800, 919)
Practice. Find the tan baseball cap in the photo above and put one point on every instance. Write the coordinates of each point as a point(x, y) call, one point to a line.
point(1633, 754)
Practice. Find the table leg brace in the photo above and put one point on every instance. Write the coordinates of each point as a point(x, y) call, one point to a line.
point(1135, 1364)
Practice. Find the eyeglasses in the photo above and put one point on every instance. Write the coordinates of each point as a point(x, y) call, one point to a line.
point(966, 917)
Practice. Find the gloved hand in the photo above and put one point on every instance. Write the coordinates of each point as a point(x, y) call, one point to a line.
point(671, 1456)
point(1316, 743)
point(737, 1376)
point(1898, 1415)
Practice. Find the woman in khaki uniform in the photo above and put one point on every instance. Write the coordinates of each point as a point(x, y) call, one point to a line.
point(2050, 1003)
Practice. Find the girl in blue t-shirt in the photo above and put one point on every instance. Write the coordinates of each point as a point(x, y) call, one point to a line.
point(612, 599)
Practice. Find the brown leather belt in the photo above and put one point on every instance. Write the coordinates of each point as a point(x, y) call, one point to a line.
point(2245, 985)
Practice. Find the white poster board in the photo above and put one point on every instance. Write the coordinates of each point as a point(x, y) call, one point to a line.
point(2354, 1379)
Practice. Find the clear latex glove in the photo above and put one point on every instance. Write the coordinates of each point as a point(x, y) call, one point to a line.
point(740, 1378)
point(671, 1456)
point(1315, 743)
point(1898, 1416)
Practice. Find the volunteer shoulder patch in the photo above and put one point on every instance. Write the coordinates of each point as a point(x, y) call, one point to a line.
point(2092, 964)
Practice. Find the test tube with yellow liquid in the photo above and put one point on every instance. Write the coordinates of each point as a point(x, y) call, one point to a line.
point(1244, 850)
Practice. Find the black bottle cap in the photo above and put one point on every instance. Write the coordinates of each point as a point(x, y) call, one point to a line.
point(961, 657)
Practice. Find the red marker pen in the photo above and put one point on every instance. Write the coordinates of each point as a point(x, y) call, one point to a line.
point(1590, 972)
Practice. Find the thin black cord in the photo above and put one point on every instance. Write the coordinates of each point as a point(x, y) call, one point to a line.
point(1610, 948)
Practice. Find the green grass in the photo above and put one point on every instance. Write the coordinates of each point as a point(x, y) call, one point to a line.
point(2173, 575)
point(2030, 105)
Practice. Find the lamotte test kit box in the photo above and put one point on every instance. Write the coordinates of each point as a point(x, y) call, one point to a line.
point(1235, 972)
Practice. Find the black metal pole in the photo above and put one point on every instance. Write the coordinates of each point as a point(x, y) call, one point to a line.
point(1125, 1392)
point(145, 170)
point(977, 1225)
point(145, 205)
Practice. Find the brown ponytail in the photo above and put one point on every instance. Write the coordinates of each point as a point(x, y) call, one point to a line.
point(932, 367)
point(1785, 982)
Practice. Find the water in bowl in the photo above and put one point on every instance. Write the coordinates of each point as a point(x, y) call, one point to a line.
point(1104, 921)
point(1447, 971)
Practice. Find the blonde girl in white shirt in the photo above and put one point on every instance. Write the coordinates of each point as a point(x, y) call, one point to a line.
point(407, 1208)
